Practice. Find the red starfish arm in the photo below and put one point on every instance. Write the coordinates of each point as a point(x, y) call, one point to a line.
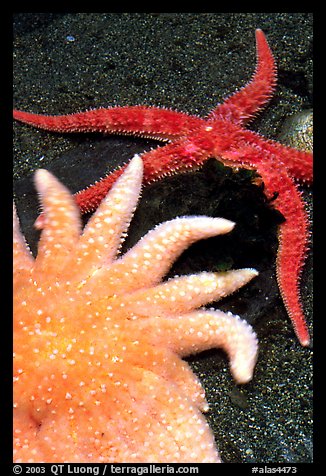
point(293, 238)
point(154, 122)
point(244, 104)
point(298, 163)
point(176, 157)
point(293, 233)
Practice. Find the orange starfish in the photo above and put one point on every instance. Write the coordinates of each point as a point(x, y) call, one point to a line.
point(98, 339)
point(221, 135)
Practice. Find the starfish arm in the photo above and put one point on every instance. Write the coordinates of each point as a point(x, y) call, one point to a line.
point(293, 238)
point(186, 293)
point(179, 156)
point(202, 330)
point(62, 226)
point(289, 267)
point(105, 231)
point(299, 163)
point(22, 257)
point(90, 198)
point(150, 259)
point(293, 233)
point(293, 243)
point(154, 122)
point(244, 104)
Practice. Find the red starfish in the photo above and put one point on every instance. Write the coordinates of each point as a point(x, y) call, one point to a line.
point(192, 140)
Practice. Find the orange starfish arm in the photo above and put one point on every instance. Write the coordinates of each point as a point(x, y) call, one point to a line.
point(212, 329)
point(65, 233)
point(161, 299)
point(23, 260)
point(142, 257)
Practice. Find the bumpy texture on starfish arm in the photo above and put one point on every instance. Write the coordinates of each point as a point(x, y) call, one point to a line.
point(221, 135)
point(98, 339)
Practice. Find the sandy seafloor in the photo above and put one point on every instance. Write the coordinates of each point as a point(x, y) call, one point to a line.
point(188, 61)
